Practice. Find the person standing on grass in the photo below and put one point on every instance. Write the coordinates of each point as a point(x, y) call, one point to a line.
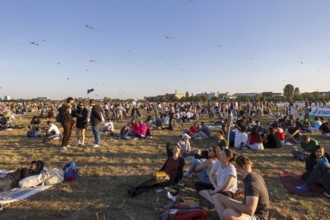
point(81, 123)
point(95, 119)
point(255, 204)
point(67, 121)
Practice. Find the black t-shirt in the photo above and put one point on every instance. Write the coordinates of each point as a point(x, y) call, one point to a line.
point(325, 127)
point(273, 141)
point(254, 185)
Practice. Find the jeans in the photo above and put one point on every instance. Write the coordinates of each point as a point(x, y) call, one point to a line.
point(96, 133)
point(66, 133)
point(319, 172)
point(203, 177)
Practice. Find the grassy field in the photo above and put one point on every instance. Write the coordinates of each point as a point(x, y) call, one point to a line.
point(107, 172)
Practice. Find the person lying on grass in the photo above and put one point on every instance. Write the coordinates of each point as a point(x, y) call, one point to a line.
point(172, 168)
point(11, 179)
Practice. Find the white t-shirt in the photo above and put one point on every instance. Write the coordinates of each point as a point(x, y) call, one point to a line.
point(53, 127)
point(239, 138)
point(222, 174)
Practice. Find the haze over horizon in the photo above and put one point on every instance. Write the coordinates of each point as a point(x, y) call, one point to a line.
point(131, 49)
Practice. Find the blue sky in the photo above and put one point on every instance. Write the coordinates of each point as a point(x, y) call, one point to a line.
point(137, 48)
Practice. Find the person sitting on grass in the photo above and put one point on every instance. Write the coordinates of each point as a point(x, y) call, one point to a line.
point(222, 143)
point(52, 131)
point(34, 127)
point(272, 139)
point(185, 147)
point(316, 124)
point(320, 172)
point(204, 165)
point(143, 131)
point(173, 167)
point(255, 204)
point(241, 137)
point(109, 127)
point(308, 145)
point(294, 134)
point(255, 142)
point(313, 159)
point(325, 128)
point(223, 177)
point(202, 133)
point(11, 179)
point(193, 129)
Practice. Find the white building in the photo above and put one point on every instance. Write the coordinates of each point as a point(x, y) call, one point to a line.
point(6, 97)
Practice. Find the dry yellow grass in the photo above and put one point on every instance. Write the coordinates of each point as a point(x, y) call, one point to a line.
point(107, 172)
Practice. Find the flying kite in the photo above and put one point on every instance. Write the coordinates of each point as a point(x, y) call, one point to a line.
point(89, 27)
point(34, 43)
point(93, 61)
point(89, 90)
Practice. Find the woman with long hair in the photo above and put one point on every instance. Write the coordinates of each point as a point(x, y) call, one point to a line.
point(203, 167)
point(255, 142)
point(223, 177)
point(81, 123)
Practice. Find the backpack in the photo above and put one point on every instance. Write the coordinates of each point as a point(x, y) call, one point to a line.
point(183, 212)
point(59, 116)
point(71, 172)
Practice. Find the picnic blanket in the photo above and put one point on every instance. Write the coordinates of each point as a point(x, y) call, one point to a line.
point(17, 194)
point(290, 181)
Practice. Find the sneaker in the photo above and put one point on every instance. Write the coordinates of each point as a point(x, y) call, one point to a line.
point(63, 148)
point(327, 194)
point(1, 207)
point(302, 188)
point(78, 143)
point(96, 145)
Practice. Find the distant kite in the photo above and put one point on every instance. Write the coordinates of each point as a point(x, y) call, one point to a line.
point(168, 37)
point(89, 27)
point(89, 90)
point(93, 61)
point(68, 78)
point(34, 43)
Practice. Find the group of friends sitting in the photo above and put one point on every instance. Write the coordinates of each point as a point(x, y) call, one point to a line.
point(217, 176)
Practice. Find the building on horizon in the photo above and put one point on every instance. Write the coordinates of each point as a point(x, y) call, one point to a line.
point(167, 96)
point(6, 97)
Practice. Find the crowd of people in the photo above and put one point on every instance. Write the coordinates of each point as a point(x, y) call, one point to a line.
point(217, 174)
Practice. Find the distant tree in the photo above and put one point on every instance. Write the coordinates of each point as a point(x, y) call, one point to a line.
point(257, 97)
point(215, 99)
point(288, 92)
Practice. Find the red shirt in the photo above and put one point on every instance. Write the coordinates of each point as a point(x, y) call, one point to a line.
point(193, 130)
point(281, 135)
point(135, 128)
point(171, 167)
point(254, 140)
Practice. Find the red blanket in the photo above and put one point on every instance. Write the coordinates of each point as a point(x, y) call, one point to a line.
point(290, 181)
